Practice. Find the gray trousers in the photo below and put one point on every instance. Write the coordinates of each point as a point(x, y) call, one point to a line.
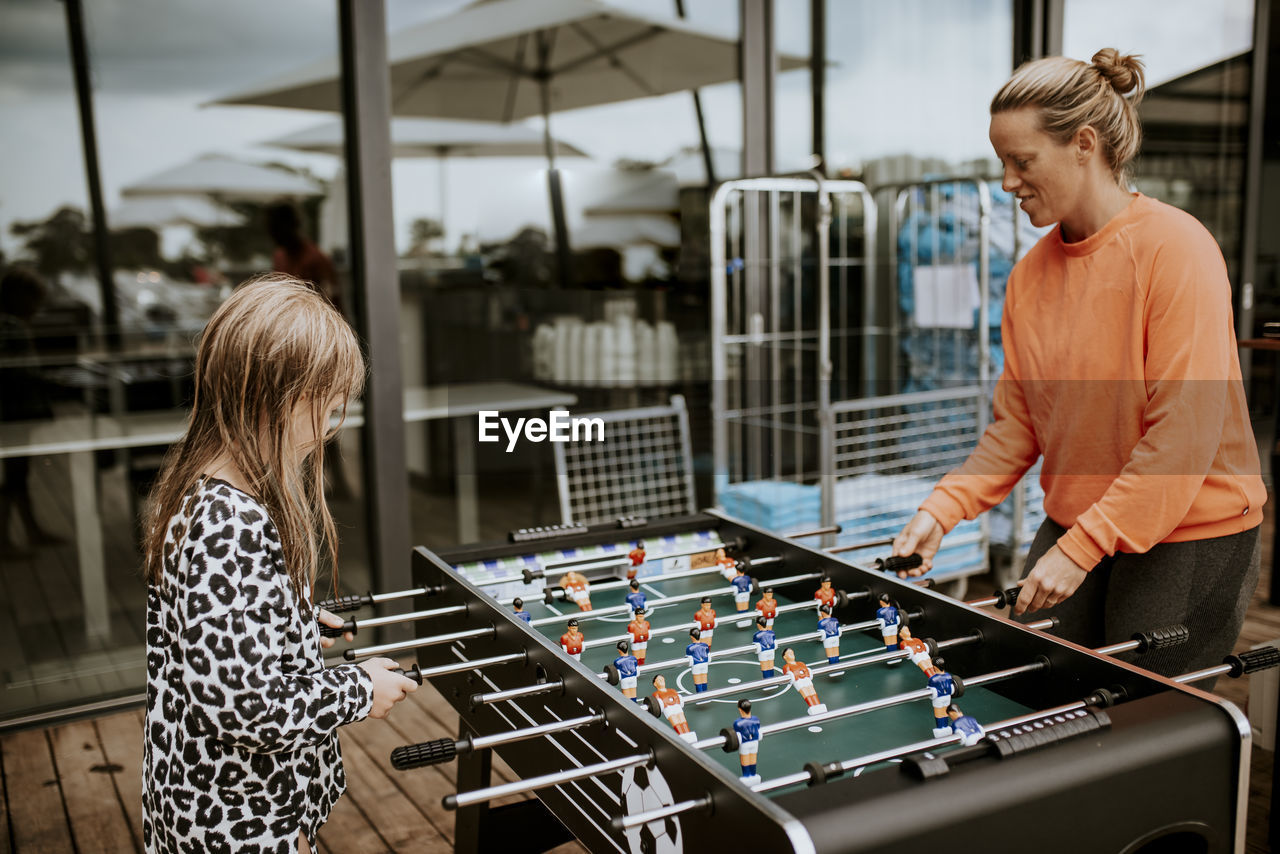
point(1205, 585)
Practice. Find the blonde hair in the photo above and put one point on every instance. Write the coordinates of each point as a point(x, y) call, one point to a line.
point(273, 346)
point(1070, 94)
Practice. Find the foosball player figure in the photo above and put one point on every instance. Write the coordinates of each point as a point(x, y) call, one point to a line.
point(965, 726)
point(747, 726)
point(941, 688)
point(673, 708)
point(636, 557)
point(766, 645)
point(890, 621)
point(830, 628)
point(636, 599)
point(803, 680)
point(572, 639)
point(577, 588)
point(825, 594)
point(699, 655)
point(728, 566)
point(917, 650)
point(705, 618)
point(517, 605)
point(741, 584)
point(626, 665)
point(768, 606)
point(638, 628)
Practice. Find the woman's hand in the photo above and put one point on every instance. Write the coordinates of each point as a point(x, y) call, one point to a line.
point(922, 536)
point(1053, 579)
point(333, 621)
point(388, 688)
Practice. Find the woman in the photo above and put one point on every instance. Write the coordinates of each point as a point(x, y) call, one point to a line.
point(1121, 368)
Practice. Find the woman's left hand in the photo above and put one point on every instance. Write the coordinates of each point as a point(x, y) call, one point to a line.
point(1053, 579)
point(333, 621)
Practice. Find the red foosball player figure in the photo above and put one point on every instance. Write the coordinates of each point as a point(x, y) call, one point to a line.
point(673, 708)
point(638, 628)
point(768, 607)
point(728, 566)
point(705, 617)
point(577, 588)
point(802, 679)
point(824, 594)
point(571, 641)
point(636, 556)
point(917, 650)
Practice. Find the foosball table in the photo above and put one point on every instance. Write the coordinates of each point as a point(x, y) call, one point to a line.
point(881, 716)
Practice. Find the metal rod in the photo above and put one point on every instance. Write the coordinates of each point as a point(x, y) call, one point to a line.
point(569, 563)
point(829, 529)
point(417, 643)
point(1118, 647)
point(466, 799)
point(595, 613)
point(400, 594)
point(884, 541)
point(474, 664)
point(848, 661)
point(629, 821)
point(534, 731)
point(684, 627)
point(873, 705)
point(415, 615)
point(1207, 673)
point(516, 693)
point(626, 582)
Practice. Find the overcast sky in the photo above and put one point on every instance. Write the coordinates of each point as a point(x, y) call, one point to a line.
point(907, 76)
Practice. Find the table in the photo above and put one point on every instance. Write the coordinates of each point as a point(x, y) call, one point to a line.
point(80, 436)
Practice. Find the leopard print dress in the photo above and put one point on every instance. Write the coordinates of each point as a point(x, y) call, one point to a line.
point(241, 750)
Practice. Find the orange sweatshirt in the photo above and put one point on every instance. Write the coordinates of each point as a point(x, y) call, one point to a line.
point(1122, 369)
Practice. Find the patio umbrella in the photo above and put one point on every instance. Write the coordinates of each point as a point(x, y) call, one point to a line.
point(224, 179)
point(505, 60)
point(160, 211)
point(438, 138)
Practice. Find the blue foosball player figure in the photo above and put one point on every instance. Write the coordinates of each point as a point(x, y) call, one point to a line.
point(941, 689)
point(890, 620)
point(628, 669)
point(766, 643)
point(747, 726)
point(830, 628)
point(517, 605)
point(699, 655)
point(741, 584)
point(965, 726)
point(636, 599)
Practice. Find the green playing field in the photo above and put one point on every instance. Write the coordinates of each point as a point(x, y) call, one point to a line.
point(785, 752)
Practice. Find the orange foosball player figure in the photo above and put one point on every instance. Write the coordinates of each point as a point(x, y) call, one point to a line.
point(638, 628)
point(572, 639)
point(824, 594)
point(705, 618)
point(577, 588)
point(728, 566)
point(673, 708)
point(917, 650)
point(802, 679)
point(768, 607)
point(636, 557)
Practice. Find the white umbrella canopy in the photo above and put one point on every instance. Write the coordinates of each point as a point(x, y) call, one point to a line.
point(161, 211)
point(224, 179)
point(412, 137)
point(488, 61)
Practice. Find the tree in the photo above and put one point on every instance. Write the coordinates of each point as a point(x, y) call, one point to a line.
point(422, 233)
point(57, 245)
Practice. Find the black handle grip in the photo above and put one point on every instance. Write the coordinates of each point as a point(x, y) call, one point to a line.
point(531, 574)
point(413, 673)
point(331, 632)
point(731, 743)
point(1007, 598)
point(342, 604)
point(611, 674)
point(424, 753)
point(652, 706)
point(549, 595)
point(1252, 660)
point(898, 564)
point(820, 773)
point(1162, 637)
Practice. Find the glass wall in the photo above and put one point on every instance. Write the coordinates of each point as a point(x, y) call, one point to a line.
point(192, 190)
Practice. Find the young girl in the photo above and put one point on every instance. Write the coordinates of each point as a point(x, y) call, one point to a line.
point(241, 749)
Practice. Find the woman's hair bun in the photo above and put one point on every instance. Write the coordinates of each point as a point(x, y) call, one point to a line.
point(1123, 72)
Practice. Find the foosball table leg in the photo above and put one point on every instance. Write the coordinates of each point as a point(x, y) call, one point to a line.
point(524, 827)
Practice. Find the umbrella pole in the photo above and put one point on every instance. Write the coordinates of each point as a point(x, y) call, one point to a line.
point(702, 124)
point(563, 255)
point(442, 161)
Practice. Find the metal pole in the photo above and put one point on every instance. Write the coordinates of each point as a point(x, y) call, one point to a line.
point(89, 144)
point(465, 799)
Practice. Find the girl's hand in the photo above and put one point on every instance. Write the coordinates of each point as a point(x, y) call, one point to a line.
point(1054, 578)
point(922, 536)
point(333, 621)
point(388, 688)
